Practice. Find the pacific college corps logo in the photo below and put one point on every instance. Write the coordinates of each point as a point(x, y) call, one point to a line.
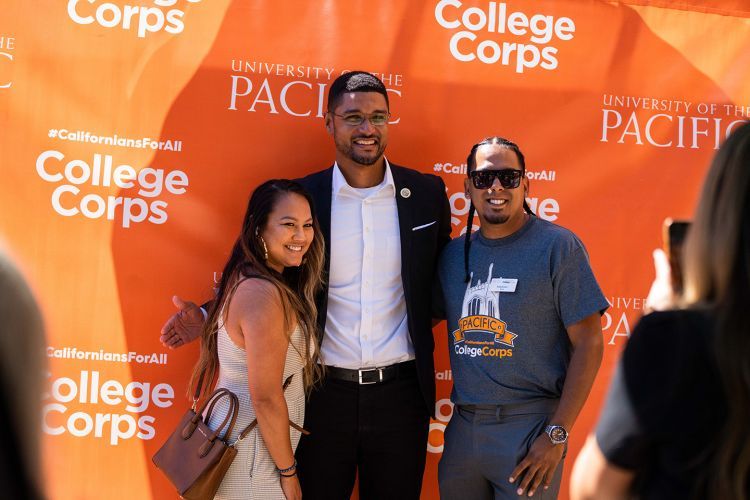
point(481, 332)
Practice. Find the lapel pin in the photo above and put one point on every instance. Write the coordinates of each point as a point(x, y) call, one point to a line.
point(405, 192)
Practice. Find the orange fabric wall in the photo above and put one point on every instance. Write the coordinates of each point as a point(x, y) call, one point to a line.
point(618, 107)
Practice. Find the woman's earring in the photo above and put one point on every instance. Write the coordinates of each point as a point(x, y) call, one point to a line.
point(265, 248)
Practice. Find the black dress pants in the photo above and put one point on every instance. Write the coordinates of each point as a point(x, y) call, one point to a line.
point(378, 431)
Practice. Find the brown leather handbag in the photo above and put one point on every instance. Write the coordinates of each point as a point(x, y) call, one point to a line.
point(195, 458)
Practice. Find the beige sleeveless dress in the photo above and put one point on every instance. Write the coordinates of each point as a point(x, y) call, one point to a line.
point(253, 473)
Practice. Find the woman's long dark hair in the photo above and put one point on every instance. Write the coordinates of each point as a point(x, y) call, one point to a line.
point(471, 165)
point(296, 286)
point(717, 275)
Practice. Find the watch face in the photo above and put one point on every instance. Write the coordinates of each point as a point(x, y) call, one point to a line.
point(558, 434)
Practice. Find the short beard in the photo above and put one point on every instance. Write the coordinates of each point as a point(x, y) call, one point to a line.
point(365, 160)
point(496, 219)
point(347, 150)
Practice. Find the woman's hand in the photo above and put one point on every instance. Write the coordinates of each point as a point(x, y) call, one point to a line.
point(291, 488)
point(661, 295)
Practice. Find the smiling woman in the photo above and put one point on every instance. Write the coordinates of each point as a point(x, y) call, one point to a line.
point(261, 331)
point(288, 233)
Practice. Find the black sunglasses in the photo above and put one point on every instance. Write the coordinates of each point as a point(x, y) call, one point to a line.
point(509, 178)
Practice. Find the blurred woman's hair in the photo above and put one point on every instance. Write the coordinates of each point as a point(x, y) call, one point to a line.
point(717, 276)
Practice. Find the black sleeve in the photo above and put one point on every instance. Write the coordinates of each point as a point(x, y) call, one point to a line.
point(444, 235)
point(646, 397)
point(618, 433)
point(438, 301)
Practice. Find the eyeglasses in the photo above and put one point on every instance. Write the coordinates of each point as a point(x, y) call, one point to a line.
point(356, 119)
point(509, 178)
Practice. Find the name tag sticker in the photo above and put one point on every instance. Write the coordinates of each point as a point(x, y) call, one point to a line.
point(507, 285)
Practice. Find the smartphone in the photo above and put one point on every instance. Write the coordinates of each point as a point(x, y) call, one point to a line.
point(673, 236)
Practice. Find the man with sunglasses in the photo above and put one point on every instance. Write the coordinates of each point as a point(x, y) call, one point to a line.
point(525, 343)
point(384, 226)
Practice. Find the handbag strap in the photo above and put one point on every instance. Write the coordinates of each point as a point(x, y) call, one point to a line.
point(233, 411)
point(213, 400)
point(254, 423)
point(230, 418)
point(233, 414)
point(234, 408)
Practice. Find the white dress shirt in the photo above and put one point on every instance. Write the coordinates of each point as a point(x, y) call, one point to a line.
point(366, 323)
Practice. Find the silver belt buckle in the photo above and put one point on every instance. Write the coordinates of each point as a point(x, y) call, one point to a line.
point(380, 376)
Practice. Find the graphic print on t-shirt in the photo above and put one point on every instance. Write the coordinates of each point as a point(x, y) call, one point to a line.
point(481, 331)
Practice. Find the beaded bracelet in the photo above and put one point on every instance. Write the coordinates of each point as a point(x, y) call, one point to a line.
point(291, 468)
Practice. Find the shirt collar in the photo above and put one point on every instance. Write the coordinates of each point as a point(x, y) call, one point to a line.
point(340, 185)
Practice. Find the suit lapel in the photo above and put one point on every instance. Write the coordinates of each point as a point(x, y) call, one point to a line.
point(405, 206)
point(320, 186)
point(321, 193)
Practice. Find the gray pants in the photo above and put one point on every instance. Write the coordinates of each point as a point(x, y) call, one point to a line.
point(483, 444)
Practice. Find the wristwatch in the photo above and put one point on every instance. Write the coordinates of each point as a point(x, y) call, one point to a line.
point(557, 434)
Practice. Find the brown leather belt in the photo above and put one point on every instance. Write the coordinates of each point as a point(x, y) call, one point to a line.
point(367, 376)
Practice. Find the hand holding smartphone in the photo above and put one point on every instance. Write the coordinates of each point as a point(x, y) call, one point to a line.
point(673, 236)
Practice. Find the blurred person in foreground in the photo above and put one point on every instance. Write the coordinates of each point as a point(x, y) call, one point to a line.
point(675, 423)
point(21, 377)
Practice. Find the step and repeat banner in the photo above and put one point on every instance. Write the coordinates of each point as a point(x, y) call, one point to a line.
point(133, 131)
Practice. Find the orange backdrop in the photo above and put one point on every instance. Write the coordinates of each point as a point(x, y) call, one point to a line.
point(132, 132)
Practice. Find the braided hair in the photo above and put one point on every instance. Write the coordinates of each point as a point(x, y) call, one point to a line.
point(471, 164)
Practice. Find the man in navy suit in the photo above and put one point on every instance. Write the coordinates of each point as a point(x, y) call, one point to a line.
point(384, 226)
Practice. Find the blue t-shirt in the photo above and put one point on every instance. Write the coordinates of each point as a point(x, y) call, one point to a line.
point(506, 327)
